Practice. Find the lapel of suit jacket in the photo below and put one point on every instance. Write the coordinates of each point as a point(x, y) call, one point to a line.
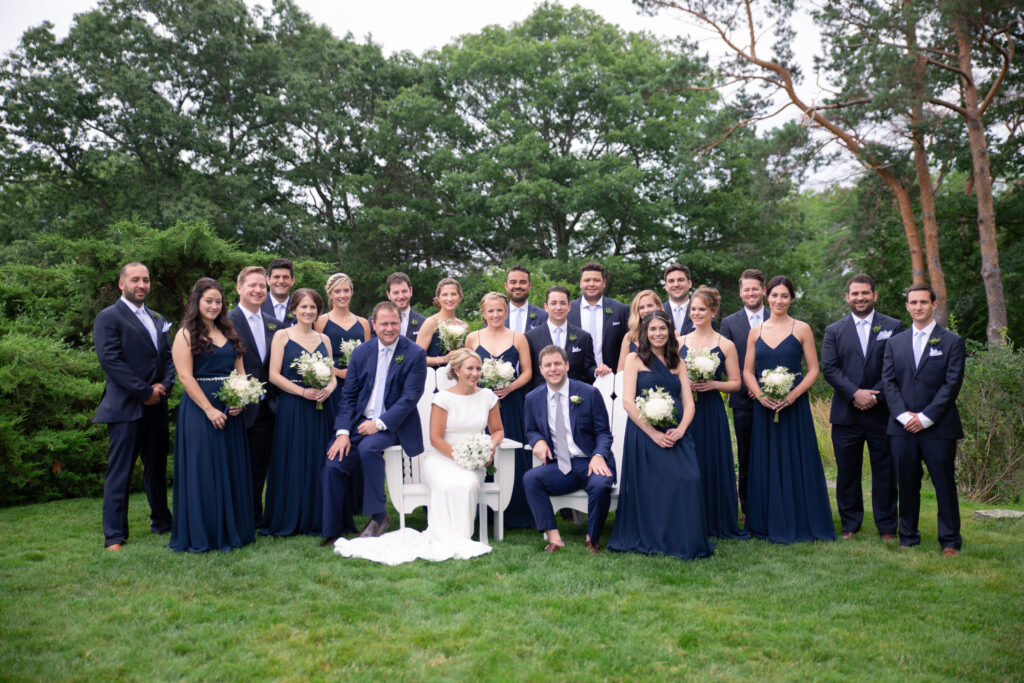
point(134, 321)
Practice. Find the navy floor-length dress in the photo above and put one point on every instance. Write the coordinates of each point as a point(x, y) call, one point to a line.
point(661, 503)
point(517, 514)
point(713, 441)
point(212, 478)
point(787, 500)
point(353, 504)
point(294, 497)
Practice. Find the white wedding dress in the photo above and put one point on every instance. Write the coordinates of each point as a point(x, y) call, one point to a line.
point(454, 494)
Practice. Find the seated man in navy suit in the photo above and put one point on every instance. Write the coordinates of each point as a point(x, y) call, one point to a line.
point(567, 426)
point(922, 371)
point(377, 410)
point(133, 349)
point(558, 331)
point(256, 329)
point(603, 318)
point(851, 358)
point(522, 315)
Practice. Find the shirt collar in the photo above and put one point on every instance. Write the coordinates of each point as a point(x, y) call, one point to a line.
point(381, 345)
point(552, 327)
point(564, 391)
point(599, 304)
point(927, 330)
point(134, 309)
point(870, 317)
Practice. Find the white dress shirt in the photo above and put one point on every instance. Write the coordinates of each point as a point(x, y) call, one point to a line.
point(553, 426)
point(920, 341)
point(755, 318)
point(863, 327)
point(259, 337)
point(559, 335)
point(592, 319)
point(517, 317)
point(144, 317)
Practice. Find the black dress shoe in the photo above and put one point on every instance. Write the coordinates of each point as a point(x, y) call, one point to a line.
point(594, 548)
point(328, 541)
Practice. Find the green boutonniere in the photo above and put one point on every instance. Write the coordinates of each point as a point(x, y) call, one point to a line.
point(532, 316)
point(607, 310)
point(414, 323)
point(573, 337)
point(934, 341)
point(876, 329)
point(290, 315)
point(399, 359)
point(271, 326)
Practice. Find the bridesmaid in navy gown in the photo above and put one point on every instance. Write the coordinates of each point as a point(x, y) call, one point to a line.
point(515, 350)
point(787, 500)
point(643, 303)
point(212, 480)
point(340, 324)
point(710, 424)
point(661, 504)
point(447, 297)
point(294, 498)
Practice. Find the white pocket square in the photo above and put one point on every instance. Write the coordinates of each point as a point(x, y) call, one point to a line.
point(614, 323)
point(576, 349)
point(934, 352)
point(883, 335)
point(166, 327)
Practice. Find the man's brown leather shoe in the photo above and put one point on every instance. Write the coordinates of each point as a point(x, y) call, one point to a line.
point(553, 547)
point(374, 529)
point(595, 548)
point(950, 552)
point(328, 541)
point(847, 535)
point(114, 547)
point(888, 537)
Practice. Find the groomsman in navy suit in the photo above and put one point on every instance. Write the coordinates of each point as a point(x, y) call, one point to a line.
point(851, 359)
point(377, 410)
point(677, 286)
point(604, 319)
point(280, 279)
point(567, 426)
point(522, 315)
point(399, 291)
point(922, 371)
point(135, 353)
point(736, 328)
point(256, 329)
point(558, 331)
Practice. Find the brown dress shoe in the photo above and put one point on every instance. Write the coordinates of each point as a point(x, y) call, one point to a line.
point(553, 547)
point(950, 552)
point(888, 537)
point(328, 541)
point(594, 548)
point(847, 535)
point(114, 547)
point(374, 529)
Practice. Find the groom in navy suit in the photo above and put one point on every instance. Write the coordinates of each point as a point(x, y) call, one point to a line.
point(851, 359)
point(922, 371)
point(377, 410)
point(133, 349)
point(567, 426)
point(603, 318)
point(522, 315)
point(256, 329)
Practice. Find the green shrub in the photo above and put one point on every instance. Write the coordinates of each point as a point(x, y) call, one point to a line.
point(990, 466)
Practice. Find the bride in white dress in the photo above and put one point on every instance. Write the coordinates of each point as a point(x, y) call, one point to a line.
point(459, 412)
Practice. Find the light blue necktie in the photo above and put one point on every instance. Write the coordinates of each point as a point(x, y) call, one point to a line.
point(561, 439)
point(147, 322)
point(381, 381)
point(256, 326)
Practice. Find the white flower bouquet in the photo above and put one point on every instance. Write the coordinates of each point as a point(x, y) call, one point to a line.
point(473, 452)
point(345, 349)
point(656, 406)
point(701, 365)
point(239, 391)
point(315, 370)
point(453, 335)
point(497, 373)
point(776, 383)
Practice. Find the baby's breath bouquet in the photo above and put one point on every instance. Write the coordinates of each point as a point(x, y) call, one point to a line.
point(656, 406)
point(473, 452)
point(315, 370)
point(240, 390)
point(345, 349)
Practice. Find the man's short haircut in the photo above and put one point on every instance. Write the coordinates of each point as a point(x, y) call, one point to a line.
point(556, 289)
point(131, 264)
point(752, 274)
point(673, 267)
point(921, 287)
point(550, 349)
point(281, 264)
point(594, 265)
point(521, 269)
point(860, 278)
point(247, 271)
point(389, 306)
point(396, 278)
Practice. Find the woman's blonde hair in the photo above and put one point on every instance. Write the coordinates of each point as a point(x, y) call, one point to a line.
point(633, 326)
point(711, 297)
point(459, 358)
point(332, 282)
point(493, 295)
point(443, 282)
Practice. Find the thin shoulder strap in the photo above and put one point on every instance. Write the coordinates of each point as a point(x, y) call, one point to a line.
point(792, 327)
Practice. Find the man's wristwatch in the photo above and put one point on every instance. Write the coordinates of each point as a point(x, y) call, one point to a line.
point(380, 425)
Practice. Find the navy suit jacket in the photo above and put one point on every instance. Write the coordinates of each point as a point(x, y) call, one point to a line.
point(268, 309)
point(415, 320)
point(847, 369)
point(616, 321)
point(407, 373)
point(579, 349)
point(589, 421)
point(133, 365)
point(736, 328)
point(535, 317)
point(931, 387)
point(688, 325)
point(251, 358)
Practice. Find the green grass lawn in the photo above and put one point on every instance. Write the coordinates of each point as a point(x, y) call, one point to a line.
point(289, 609)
